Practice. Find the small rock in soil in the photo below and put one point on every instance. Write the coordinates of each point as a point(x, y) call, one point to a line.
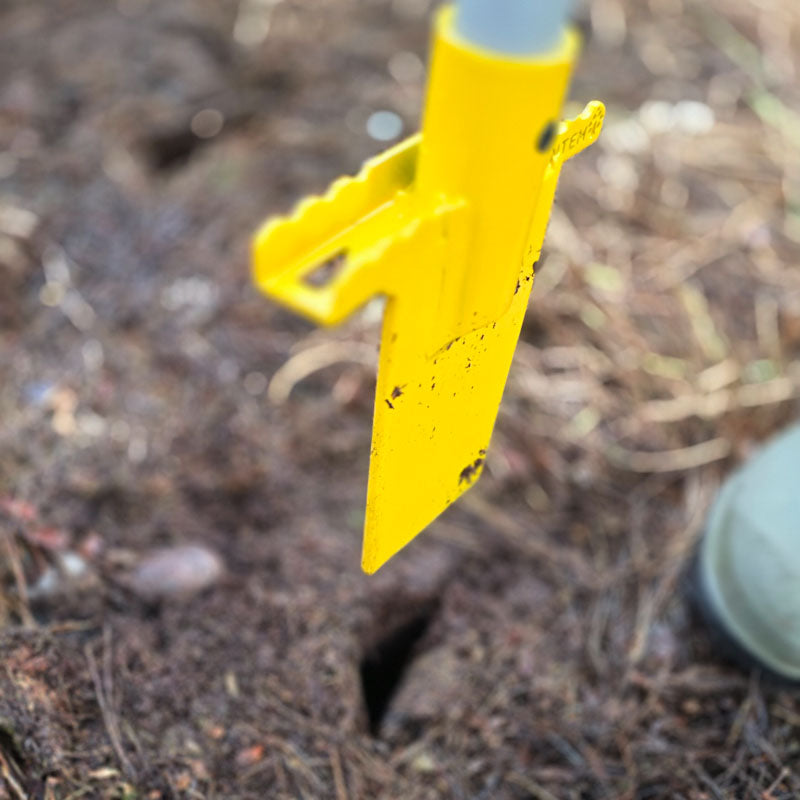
point(71, 572)
point(175, 572)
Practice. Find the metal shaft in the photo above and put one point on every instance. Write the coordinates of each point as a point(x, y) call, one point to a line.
point(514, 27)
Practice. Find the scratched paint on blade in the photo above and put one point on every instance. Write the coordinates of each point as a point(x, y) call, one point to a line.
point(430, 447)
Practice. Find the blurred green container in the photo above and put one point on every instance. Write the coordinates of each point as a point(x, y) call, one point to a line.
point(748, 568)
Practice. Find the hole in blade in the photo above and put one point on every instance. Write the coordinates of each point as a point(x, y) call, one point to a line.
point(547, 137)
point(324, 273)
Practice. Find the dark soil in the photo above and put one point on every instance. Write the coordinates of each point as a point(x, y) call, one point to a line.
point(537, 642)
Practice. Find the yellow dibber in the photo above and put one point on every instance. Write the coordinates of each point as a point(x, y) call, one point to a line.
point(448, 226)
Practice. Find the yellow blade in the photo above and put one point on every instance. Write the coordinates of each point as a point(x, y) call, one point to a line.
point(434, 417)
point(435, 411)
point(452, 320)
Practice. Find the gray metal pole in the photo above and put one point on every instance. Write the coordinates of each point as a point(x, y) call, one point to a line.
point(515, 27)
